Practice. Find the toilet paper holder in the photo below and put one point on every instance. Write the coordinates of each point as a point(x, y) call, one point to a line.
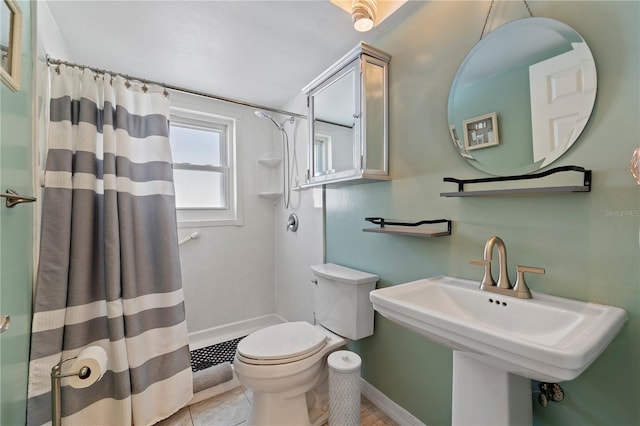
point(56, 375)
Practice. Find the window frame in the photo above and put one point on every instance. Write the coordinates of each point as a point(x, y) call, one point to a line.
point(198, 115)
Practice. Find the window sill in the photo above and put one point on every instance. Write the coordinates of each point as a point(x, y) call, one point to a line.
point(209, 223)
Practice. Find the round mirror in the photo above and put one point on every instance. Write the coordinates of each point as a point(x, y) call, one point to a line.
point(522, 96)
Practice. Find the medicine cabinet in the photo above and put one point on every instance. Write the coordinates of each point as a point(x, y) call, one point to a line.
point(348, 120)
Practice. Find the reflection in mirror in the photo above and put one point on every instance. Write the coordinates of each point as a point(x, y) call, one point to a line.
point(334, 106)
point(5, 36)
point(323, 162)
point(537, 78)
point(10, 43)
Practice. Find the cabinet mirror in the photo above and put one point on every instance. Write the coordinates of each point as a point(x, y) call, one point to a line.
point(347, 107)
point(522, 96)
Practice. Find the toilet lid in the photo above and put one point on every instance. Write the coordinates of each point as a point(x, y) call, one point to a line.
point(282, 341)
point(282, 361)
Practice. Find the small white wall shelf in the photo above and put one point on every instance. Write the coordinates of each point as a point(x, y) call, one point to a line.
point(268, 178)
point(271, 196)
point(585, 187)
point(268, 161)
point(408, 229)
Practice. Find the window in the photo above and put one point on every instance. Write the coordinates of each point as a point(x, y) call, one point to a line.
point(204, 171)
point(322, 155)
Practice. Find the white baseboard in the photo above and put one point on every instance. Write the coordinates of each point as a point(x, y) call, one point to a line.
point(203, 338)
point(387, 406)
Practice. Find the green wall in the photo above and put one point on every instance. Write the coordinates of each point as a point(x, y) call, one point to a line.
point(588, 243)
point(16, 232)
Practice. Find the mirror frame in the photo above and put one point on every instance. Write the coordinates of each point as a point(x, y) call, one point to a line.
point(459, 140)
point(11, 77)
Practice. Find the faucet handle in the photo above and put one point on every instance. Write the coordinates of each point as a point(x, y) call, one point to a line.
point(521, 289)
point(487, 279)
point(532, 269)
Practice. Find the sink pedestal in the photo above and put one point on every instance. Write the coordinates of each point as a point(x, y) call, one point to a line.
point(486, 395)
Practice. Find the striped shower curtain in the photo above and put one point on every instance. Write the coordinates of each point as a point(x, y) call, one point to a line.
point(109, 272)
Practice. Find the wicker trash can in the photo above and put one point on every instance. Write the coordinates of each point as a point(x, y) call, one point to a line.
point(344, 388)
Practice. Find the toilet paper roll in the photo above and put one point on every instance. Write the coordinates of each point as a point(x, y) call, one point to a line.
point(95, 359)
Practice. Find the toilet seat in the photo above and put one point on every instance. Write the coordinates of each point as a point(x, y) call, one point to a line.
point(281, 344)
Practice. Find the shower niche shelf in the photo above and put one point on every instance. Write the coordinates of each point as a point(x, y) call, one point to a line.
point(552, 187)
point(269, 161)
point(268, 184)
point(271, 196)
point(411, 229)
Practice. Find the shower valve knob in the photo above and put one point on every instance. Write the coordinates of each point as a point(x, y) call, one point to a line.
point(292, 223)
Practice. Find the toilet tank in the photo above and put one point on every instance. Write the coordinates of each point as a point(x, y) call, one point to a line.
point(342, 302)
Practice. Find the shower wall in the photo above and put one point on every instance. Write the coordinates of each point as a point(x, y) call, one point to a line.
point(295, 252)
point(228, 273)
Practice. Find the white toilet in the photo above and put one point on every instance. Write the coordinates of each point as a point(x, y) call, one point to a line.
point(281, 363)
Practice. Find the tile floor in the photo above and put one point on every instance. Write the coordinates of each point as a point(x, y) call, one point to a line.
point(232, 408)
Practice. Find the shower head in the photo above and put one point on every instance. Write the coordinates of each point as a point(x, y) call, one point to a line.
point(261, 114)
point(280, 126)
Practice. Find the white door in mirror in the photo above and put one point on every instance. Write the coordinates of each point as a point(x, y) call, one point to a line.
point(566, 82)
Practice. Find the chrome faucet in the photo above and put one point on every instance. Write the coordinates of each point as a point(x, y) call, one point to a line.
point(520, 289)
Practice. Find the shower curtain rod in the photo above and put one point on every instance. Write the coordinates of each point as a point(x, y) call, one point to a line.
point(52, 61)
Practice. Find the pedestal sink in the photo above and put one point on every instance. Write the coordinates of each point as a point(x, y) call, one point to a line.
point(500, 342)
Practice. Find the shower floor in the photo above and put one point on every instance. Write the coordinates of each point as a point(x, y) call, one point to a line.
point(214, 354)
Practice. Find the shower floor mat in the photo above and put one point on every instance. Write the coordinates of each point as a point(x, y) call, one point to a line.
point(214, 354)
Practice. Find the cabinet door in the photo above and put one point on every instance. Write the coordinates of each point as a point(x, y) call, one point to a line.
point(335, 108)
point(374, 105)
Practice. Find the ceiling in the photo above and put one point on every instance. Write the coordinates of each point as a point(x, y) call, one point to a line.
point(259, 52)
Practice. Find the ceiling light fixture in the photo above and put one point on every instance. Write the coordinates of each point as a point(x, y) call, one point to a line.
point(363, 13)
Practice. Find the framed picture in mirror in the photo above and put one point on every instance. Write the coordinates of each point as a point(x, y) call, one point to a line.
point(481, 132)
point(10, 43)
point(456, 141)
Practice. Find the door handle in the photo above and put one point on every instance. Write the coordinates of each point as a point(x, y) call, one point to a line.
point(5, 320)
point(14, 198)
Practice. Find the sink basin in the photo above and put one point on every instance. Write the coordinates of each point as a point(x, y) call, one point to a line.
point(546, 338)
